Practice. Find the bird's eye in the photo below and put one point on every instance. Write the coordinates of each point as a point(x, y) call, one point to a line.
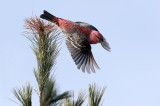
point(97, 37)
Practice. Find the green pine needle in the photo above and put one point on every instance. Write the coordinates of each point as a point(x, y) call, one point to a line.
point(24, 95)
point(95, 95)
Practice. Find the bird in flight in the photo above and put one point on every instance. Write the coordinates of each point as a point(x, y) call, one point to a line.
point(79, 37)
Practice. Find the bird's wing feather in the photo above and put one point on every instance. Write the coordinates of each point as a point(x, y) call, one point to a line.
point(83, 24)
point(80, 50)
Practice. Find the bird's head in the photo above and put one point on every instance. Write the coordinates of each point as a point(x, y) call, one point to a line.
point(103, 41)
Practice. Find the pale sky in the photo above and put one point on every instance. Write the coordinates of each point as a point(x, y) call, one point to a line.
point(131, 71)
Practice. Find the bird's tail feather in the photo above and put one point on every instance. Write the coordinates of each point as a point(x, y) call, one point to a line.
point(46, 15)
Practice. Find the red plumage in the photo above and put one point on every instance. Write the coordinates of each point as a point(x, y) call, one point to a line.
point(79, 36)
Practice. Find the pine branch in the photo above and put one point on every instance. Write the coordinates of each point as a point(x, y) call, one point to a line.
point(78, 102)
point(95, 95)
point(24, 95)
point(45, 44)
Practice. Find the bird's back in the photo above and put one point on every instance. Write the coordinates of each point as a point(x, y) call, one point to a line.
point(86, 25)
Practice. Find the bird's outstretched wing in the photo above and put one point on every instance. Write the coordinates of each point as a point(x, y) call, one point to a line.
point(80, 50)
point(83, 24)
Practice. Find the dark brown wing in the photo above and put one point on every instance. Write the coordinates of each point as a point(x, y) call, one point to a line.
point(80, 50)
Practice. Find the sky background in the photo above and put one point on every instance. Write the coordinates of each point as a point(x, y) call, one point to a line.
point(131, 71)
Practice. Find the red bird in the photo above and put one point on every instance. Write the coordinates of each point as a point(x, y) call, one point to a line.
point(79, 36)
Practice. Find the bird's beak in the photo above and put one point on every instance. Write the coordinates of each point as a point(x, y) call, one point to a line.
point(105, 45)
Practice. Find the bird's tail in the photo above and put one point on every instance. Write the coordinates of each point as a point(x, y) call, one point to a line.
point(46, 15)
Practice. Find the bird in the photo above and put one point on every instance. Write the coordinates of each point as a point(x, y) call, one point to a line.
point(79, 37)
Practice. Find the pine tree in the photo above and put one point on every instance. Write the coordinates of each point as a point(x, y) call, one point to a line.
point(45, 39)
